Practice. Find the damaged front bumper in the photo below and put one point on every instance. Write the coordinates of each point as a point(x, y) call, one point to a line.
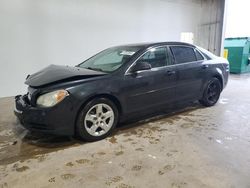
point(57, 120)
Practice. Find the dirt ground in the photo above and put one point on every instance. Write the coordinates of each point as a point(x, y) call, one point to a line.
point(182, 148)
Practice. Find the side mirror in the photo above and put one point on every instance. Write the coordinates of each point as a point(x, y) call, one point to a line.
point(139, 66)
point(248, 61)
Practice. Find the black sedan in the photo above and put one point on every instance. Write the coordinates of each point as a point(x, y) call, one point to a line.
point(89, 99)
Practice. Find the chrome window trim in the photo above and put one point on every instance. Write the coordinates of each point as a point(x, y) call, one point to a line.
point(204, 58)
point(194, 48)
point(157, 68)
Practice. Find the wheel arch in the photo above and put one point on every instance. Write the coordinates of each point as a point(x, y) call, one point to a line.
point(206, 80)
point(111, 97)
point(216, 72)
point(220, 79)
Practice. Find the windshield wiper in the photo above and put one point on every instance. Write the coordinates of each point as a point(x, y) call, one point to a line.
point(95, 69)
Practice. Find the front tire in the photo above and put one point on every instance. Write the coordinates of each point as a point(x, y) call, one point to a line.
point(97, 120)
point(211, 93)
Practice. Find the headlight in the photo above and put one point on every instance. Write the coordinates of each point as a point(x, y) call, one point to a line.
point(52, 98)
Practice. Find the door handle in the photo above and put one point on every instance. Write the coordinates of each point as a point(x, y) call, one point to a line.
point(204, 66)
point(169, 73)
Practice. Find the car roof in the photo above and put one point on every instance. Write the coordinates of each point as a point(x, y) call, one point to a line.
point(151, 44)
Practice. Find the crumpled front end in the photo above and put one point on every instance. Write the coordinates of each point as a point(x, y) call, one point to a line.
point(58, 119)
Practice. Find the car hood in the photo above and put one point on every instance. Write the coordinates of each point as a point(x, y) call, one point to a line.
point(59, 73)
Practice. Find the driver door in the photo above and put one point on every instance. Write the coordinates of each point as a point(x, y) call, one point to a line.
point(149, 88)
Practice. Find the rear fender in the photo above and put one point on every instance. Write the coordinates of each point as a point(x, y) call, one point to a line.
point(215, 72)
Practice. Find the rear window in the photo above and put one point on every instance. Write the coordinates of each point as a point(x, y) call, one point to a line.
point(207, 54)
point(183, 54)
point(199, 57)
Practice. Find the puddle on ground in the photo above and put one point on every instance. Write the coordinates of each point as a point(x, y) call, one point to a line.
point(21, 169)
point(22, 145)
point(119, 153)
point(52, 180)
point(69, 164)
point(101, 153)
point(186, 125)
point(18, 144)
point(83, 161)
point(112, 140)
point(219, 141)
point(136, 168)
point(166, 168)
point(139, 149)
point(223, 101)
point(67, 176)
point(123, 185)
point(112, 180)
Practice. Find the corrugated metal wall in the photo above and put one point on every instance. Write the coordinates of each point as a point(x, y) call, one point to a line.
point(210, 31)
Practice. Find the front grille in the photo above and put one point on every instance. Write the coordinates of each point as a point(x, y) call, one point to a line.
point(31, 95)
point(40, 126)
point(26, 99)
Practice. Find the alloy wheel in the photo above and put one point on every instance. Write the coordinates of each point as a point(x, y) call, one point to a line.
point(99, 119)
point(213, 92)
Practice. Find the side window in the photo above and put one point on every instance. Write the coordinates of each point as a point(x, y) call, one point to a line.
point(156, 57)
point(183, 54)
point(208, 58)
point(199, 57)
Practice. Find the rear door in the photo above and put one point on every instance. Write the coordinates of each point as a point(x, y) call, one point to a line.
point(150, 88)
point(189, 72)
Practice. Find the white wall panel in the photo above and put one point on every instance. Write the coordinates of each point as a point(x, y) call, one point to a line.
point(36, 33)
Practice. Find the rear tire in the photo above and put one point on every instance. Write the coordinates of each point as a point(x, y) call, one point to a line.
point(211, 93)
point(97, 120)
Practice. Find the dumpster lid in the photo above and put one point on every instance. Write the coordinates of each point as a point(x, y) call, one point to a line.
point(236, 42)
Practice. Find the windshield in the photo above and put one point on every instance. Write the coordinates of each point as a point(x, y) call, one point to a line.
point(110, 59)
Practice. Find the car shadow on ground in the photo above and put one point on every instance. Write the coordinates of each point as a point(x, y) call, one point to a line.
point(161, 113)
point(26, 144)
point(52, 141)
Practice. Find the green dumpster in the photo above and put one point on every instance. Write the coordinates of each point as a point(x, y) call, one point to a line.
point(238, 54)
